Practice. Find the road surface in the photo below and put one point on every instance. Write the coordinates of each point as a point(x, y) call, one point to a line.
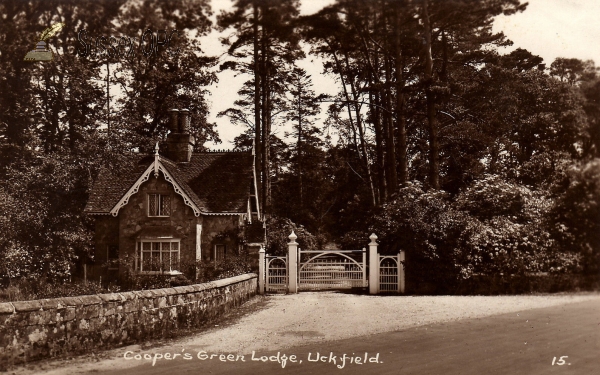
point(527, 342)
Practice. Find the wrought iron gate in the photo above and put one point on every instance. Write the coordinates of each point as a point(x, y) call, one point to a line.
point(337, 269)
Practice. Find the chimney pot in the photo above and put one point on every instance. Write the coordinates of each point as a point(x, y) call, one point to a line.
point(173, 123)
point(184, 121)
point(180, 143)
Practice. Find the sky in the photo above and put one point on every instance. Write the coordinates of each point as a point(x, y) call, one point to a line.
point(556, 28)
point(548, 28)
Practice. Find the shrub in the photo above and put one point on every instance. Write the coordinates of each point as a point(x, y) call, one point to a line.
point(197, 272)
point(278, 232)
point(494, 228)
point(500, 246)
point(231, 266)
point(575, 216)
point(508, 231)
point(130, 279)
point(29, 289)
point(491, 197)
point(427, 228)
point(355, 240)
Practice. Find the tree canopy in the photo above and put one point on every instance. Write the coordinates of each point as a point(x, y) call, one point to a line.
point(471, 159)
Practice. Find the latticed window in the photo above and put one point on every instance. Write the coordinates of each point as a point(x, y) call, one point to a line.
point(159, 205)
point(158, 257)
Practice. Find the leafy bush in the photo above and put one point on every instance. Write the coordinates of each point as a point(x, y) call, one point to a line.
point(509, 231)
point(427, 228)
point(44, 230)
point(500, 246)
point(197, 272)
point(193, 272)
point(231, 266)
point(492, 228)
point(130, 279)
point(490, 197)
point(355, 240)
point(576, 214)
point(278, 232)
point(29, 289)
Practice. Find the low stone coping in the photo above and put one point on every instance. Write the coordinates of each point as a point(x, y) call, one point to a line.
point(98, 299)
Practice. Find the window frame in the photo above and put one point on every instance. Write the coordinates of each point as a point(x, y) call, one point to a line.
point(158, 194)
point(215, 252)
point(139, 256)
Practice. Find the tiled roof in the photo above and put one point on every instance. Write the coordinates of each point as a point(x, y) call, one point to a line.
point(112, 183)
point(217, 182)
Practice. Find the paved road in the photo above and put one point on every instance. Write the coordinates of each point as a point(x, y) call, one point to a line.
point(527, 342)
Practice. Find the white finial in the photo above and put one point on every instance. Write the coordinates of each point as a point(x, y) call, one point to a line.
point(156, 149)
point(373, 237)
point(293, 237)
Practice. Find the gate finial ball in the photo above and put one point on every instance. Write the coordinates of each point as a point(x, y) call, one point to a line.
point(373, 237)
point(293, 236)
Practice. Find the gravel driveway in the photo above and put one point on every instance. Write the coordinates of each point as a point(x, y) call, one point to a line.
point(281, 321)
point(305, 318)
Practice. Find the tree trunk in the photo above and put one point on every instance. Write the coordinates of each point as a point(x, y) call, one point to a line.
point(359, 127)
point(257, 107)
point(348, 100)
point(400, 114)
point(299, 146)
point(382, 188)
point(265, 118)
point(390, 142)
point(434, 162)
point(267, 152)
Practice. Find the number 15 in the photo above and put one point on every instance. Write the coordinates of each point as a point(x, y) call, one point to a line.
point(560, 361)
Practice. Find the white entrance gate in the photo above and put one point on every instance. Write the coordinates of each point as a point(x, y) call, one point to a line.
point(332, 269)
point(335, 269)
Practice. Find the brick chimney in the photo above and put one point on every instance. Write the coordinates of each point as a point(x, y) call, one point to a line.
point(180, 144)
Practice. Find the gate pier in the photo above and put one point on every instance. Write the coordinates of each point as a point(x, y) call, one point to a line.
point(293, 264)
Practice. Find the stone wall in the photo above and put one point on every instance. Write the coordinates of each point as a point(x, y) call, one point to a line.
point(31, 330)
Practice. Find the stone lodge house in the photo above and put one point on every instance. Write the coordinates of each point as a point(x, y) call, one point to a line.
point(163, 211)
